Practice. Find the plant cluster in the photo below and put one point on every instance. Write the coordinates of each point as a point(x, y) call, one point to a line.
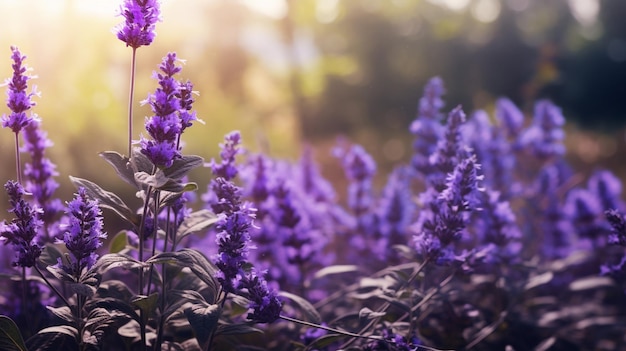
point(486, 240)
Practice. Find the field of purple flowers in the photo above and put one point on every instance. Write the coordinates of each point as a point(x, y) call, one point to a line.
point(487, 240)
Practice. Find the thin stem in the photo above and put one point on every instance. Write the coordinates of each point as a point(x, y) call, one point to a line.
point(56, 291)
point(18, 163)
point(142, 224)
point(24, 287)
point(330, 329)
point(154, 237)
point(130, 102)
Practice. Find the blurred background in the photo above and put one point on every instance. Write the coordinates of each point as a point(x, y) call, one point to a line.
point(294, 72)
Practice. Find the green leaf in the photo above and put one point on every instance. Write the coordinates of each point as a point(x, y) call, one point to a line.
point(83, 289)
point(50, 255)
point(119, 242)
point(65, 313)
point(122, 166)
point(592, 282)
point(194, 260)
point(195, 222)
point(325, 341)
point(10, 336)
point(161, 182)
point(62, 337)
point(61, 275)
point(366, 313)
point(115, 260)
point(203, 318)
point(107, 199)
point(309, 312)
point(336, 269)
point(236, 329)
point(182, 166)
point(147, 304)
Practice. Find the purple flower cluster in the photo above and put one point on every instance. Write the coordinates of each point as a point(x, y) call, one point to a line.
point(171, 105)
point(140, 17)
point(19, 100)
point(23, 231)
point(40, 172)
point(84, 234)
point(233, 237)
point(427, 126)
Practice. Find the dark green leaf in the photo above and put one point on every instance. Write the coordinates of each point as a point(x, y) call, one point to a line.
point(325, 341)
point(50, 255)
point(337, 269)
point(147, 304)
point(236, 329)
point(119, 242)
point(203, 318)
point(107, 199)
point(62, 312)
point(195, 222)
point(61, 275)
point(115, 260)
point(160, 182)
point(182, 166)
point(592, 282)
point(115, 289)
point(309, 312)
point(56, 338)
point(10, 336)
point(195, 260)
point(539, 280)
point(83, 289)
point(366, 313)
point(121, 165)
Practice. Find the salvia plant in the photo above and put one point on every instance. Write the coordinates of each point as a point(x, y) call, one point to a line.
point(485, 240)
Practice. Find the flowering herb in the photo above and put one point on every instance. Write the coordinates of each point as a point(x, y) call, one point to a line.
point(23, 231)
point(140, 18)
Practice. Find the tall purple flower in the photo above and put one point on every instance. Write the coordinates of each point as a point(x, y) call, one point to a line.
point(360, 169)
point(510, 118)
point(230, 149)
point(19, 100)
point(618, 227)
point(607, 188)
point(140, 17)
point(40, 172)
point(85, 232)
point(427, 126)
point(444, 219)
point(23, 231)
point(395, 210)
point(544, 138)
point(263, 301)
point(165, 126)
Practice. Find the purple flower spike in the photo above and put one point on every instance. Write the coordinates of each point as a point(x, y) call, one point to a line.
point(40, 172)
point(140, 19)
point(18, 99)
point(263, 301)
point(608, 188)
point(618, 225)
point(427, 126)
point(23, 231)
point(230, 148)
point(84, 235)
point(165, 126)
point(544, 138)
point(510, 117)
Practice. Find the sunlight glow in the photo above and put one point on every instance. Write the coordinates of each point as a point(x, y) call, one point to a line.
point(585, 11)
point(486, 11)
point(272, 8)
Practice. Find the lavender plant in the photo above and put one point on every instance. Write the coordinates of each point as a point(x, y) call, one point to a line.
point(487, 239)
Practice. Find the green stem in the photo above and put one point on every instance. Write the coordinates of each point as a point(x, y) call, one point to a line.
point(154, 238)
point(18, 163)
point(56, 291)
point(130, 102)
